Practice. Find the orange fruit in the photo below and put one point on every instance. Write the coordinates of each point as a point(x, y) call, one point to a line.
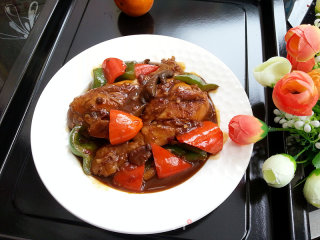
point(134, 8)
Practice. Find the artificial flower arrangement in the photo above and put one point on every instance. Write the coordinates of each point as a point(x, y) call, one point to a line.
point(296, 88)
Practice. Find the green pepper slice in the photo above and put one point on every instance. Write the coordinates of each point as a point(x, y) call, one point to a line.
point(82, 147)
point(190, 153)
point(98, 78)
point(129, 73)
point(193, 79)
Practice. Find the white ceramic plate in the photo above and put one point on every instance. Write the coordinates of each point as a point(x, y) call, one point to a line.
point(115, 210)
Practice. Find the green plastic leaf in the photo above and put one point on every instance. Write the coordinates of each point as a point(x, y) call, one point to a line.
point(271, 71)
point(316, 161)
point(317, 65)
point(317, 7)
point(316, 108)
point(265, 129)
point(315, 172)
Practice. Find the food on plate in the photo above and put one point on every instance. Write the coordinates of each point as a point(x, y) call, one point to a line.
point(123, 126)
point(167, 163)
point(113, 68)
point(208, 137)
point(146, 127)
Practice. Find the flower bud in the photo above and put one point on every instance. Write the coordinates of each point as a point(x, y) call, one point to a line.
point(315, 75)
point(315, 123)
point(311, 189)
point(303, 42)
point(282, 121)
point(298, 124)
point(307, 128)
point(246, 129)
point(302, 66)
point(295, 93)
point(277, 119)
point(269, 72)
point(276, 112)
point(278, 170)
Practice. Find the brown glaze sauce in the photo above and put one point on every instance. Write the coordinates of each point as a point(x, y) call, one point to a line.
point(156, 184)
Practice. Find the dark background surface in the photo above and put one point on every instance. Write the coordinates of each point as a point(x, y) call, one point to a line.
point(241, 33)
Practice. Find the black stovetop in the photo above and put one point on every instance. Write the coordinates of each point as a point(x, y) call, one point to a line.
point(241, 33)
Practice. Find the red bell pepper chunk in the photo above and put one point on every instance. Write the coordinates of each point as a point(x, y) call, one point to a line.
point(123, 126)
point(208, 137)
point(144, 69)
point(167, 164)
point(130, 177)
point(113, 68)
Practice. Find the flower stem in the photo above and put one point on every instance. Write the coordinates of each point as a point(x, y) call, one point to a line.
point(301, 162)
point(303, 150)
point(272, 129)
point(301, 181)
point(291, 130)
point(316, 140)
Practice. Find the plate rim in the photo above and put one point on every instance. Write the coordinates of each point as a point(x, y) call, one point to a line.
point(32, 135)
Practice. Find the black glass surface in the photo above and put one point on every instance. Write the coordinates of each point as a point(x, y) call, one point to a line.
point(17, 19)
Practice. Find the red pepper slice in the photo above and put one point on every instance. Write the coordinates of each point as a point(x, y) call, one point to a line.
point(144, 69)
point(208, 137)
point(113, 68)
point(130, 177)
point(123, 126)
point(167, 164)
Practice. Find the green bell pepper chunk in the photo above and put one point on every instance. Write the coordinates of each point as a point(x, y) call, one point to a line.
point(82, 147)
point(190, 153)
point(193, 79)
point(98, 78)
point(129, 73)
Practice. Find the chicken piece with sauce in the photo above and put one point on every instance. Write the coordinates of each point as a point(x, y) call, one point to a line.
point(168, 107)
point(92, 108)
point(174, 110)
